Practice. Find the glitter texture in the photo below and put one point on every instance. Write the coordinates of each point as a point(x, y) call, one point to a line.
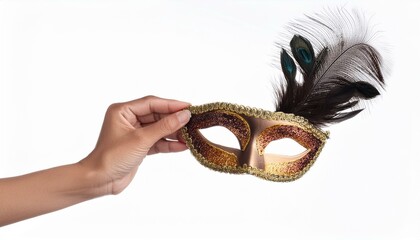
point(232, 121)
point(232, 116)
point(304, 138)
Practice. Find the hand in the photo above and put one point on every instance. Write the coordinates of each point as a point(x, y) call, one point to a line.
point(131, 131)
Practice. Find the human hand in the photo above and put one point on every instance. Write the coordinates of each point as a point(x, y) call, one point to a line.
point(130, 131)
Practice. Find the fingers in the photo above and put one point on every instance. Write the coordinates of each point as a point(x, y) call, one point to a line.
point(151, 118)
point(151, 104)
point(173, 136)
point(165, 127)
point(164, 146)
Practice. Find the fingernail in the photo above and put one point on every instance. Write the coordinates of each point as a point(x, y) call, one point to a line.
point(183, 116)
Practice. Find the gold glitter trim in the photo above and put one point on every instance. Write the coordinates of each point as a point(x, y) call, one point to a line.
point(257, 113)
point(201, 159)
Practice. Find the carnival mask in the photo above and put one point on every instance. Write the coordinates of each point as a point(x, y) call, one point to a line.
point(344, 71)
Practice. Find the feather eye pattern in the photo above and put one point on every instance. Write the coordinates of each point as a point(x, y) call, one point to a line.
point(339, 68)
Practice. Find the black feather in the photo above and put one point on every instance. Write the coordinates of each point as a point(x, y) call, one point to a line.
point(345, 70)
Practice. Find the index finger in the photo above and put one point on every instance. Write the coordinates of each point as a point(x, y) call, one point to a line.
point(153, 104)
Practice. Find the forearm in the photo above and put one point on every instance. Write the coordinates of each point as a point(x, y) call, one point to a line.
point(46, 191)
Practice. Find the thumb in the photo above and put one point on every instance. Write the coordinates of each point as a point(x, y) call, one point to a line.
point(166, 126)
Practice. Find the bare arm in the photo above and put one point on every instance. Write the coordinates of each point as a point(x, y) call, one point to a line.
point(130, 131)
point(46, 191)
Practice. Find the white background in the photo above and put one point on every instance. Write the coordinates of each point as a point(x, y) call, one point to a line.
point(63, 62)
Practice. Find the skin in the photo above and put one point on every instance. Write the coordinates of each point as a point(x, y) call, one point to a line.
point(130, 131)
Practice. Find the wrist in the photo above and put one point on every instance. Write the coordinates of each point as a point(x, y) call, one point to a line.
point(95, 182)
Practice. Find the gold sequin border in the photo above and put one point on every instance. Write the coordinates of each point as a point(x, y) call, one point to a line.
point(257, 113)
point(261, 113)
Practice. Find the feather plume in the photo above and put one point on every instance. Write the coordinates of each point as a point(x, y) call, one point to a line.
point(339, 68)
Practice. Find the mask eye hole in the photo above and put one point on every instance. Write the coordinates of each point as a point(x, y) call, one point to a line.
point(284, 147)
point(221, 136)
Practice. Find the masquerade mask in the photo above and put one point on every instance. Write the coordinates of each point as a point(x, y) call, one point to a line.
point(329, 93)
point(254, 129)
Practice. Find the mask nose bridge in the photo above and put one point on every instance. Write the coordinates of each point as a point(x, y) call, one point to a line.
point(250, 155)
